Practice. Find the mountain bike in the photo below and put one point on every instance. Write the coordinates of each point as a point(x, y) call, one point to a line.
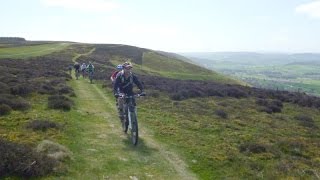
point(83, 73)
point(77, 72)
point(91, 76)
point(130, 120)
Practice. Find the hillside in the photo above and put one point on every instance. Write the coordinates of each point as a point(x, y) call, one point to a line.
point(292, 72)
point(253, 57)
point(194, 123)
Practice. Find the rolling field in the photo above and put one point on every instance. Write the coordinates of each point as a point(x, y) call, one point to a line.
point(189, 129)
point(23, 52)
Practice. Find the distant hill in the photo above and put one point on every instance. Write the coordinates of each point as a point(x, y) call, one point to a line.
point(252, 57)
point(155, 63)
point(12, 40)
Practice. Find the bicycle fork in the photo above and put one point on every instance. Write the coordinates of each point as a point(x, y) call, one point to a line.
point(130, 109)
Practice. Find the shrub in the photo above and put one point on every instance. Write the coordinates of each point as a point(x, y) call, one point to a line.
point(274, 108)
point(20, 104)
point(221, 113)
point(16, 103)
point(21, 89)
point(235, 92)
point(252, 148)
point(176, 97)
point(59, 102)
point(65, 90)
point(54, 150)
point(269, 107)
point(262, 102)
point(4, 88)
point(265, 109)
point(22, 161)
point(213, 92)
point(277, 103)
point(42, 125)
point(4, 109)
point(306, 121)
point(47, 89)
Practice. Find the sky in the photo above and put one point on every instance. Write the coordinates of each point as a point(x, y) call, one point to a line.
point(169, 25)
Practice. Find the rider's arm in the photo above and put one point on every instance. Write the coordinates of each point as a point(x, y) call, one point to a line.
point(137, 82)
point(116, 86)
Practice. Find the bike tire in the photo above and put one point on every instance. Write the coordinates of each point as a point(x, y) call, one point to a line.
point(125, 123)
point(77, 75)
point(134, 128)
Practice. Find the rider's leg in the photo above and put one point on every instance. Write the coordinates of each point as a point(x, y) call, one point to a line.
point(120, 108)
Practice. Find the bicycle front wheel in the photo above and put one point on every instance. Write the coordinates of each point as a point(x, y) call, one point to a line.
point(134, 129)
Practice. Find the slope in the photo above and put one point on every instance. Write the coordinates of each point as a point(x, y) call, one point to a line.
point(22, 52)
point(149, 62)
point(102, 150)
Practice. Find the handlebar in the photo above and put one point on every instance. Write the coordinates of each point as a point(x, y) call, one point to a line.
point(122, 95)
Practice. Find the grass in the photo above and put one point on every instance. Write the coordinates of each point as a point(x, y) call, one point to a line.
point(240, 143)
point(92, 132)
point(211, 144)
point(23, 52)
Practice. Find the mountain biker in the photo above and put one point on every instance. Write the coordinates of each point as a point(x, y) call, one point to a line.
point(70, 68)
point(124, 84)
point(83, 69)
point(76, 68)
point(90, 70)
point(114, 75)
point(90, 67)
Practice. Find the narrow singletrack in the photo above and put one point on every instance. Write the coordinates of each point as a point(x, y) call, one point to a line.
point(106, 143)
point(107, 153)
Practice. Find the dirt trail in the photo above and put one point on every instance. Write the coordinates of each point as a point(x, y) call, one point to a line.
point(107, 153)
point(148, 160)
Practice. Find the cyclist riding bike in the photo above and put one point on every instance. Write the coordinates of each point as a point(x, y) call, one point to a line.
point(76, 69)
point(70, 68)
point(90, 70)
point(123, 84)
point(83, 69)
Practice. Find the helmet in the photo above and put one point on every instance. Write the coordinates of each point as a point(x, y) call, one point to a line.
point(127, 65)
point(119, 67)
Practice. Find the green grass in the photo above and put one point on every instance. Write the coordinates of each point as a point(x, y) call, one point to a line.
point(210, 144)
point(23, 52)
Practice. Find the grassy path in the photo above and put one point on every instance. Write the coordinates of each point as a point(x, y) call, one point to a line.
point(103, 151)
point(23, 52)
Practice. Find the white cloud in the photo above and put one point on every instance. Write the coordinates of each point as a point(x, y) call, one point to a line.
point(86, 5)
point(312, 9)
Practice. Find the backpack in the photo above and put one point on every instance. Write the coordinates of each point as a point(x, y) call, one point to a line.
point(114, 75)
point(90, 68)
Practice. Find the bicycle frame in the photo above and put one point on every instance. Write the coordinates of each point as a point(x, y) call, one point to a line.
point(130, 120)
point(129, 108)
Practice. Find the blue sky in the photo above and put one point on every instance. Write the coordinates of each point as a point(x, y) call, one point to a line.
point(170, 25)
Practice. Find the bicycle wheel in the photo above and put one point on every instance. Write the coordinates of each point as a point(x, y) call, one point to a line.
point(134, 128)
point(91, 76)
point(125, 122)
point(77, 75)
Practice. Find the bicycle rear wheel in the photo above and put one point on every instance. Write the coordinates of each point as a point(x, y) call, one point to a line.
point(134, 128)
point(77, 75)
